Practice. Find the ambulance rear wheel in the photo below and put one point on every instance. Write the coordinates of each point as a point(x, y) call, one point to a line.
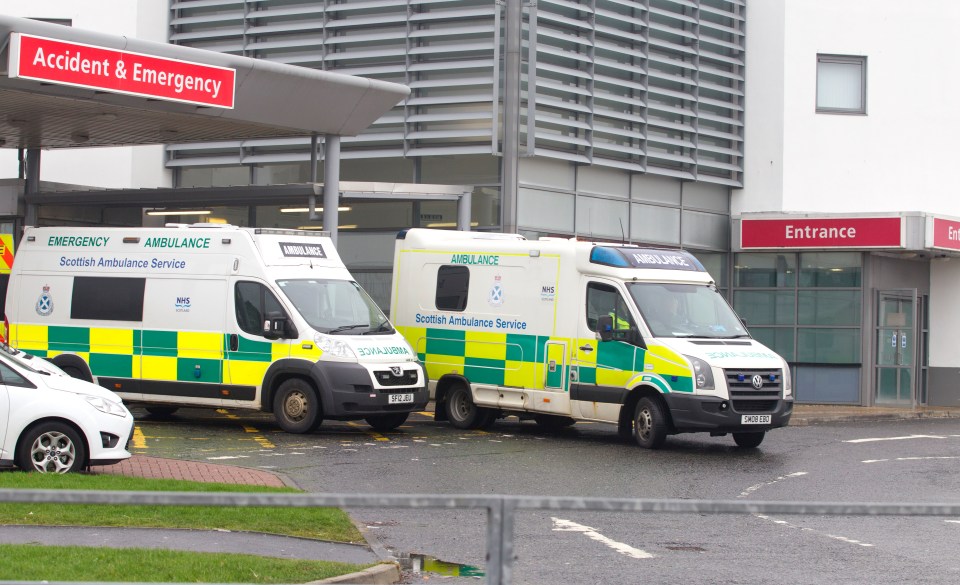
point(296, 407)
point(387, 422)
point(461, 411)
point(649, 424)
point(748, 440)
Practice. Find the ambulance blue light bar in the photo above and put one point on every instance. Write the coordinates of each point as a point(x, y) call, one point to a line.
point(630, 257)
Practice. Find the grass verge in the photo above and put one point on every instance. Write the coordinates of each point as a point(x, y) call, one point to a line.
point(159, 566)
point(318, 523)
point(72, 563)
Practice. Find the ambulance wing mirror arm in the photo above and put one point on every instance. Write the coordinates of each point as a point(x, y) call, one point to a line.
point(605, 327)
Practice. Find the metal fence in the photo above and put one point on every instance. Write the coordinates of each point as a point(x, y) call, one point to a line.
point(501, 510)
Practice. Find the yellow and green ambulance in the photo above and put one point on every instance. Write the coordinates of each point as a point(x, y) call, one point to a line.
point(563, 330)
point(213, 316)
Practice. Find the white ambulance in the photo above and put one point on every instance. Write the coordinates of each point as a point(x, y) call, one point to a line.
point(562, 330)
point(215, 316)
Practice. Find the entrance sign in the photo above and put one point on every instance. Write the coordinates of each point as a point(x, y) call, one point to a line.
point(840, 232)
point(80, 65)
point(943, 233)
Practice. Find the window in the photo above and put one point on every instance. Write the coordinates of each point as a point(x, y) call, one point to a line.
point(841, 84)
point(107, 298)
point(253, 303)
point(603, 300)
point(453, 283)
point(9, 377)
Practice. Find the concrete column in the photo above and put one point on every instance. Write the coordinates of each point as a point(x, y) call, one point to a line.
point(511, 114)
point(331, 185)
point(32, 185)
point(464, 210)
point(312, 200)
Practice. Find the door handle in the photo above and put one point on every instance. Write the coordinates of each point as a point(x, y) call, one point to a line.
point(586, 348)
point(234, 342)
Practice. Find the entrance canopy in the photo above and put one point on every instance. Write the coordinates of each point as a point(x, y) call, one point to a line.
point(64, 87)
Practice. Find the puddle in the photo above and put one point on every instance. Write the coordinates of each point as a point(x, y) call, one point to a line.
point(427, 564)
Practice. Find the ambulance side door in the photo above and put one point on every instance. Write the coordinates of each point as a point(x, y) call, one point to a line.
point(248, 352)
point(602, 368)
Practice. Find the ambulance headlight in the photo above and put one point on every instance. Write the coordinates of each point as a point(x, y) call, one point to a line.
point(787, 381)
point(334, 347)
point(702, 374)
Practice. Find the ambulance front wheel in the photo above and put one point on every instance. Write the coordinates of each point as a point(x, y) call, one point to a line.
point(749, 440)
point(387, 422)
point(296, 407)
point(650, 424)
point(462, 412)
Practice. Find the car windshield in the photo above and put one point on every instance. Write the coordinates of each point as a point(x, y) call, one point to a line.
point(686, 310)
point(337, 307)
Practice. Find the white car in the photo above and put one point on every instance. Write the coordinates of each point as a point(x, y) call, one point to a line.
point(52, 423)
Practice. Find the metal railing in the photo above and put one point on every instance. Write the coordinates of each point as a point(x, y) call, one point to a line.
point(501, 510)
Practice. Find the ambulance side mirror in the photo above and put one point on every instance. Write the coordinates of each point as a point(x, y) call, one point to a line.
point(276, 326)
point(605, 327)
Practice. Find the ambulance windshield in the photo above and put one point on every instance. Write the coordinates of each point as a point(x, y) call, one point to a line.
point(686, 310)
point(336, 307)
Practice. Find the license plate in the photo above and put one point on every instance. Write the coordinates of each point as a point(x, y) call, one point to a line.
point(404, 399)
point(755, 419)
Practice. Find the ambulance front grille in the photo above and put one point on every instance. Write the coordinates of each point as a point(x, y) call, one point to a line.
point(388, 378)
point(746, 396)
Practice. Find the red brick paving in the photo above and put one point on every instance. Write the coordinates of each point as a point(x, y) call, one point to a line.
point(161, 468)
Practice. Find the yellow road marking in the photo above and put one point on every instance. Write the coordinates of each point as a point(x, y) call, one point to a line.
point(260, 439)
point(139, 440)
point(376, 436)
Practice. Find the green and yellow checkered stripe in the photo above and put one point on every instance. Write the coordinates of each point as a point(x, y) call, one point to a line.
point(176, 356)
point(508, 359)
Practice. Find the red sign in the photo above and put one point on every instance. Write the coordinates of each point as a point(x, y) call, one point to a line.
point(946, 234)
point(80, 65)
point(852, 232)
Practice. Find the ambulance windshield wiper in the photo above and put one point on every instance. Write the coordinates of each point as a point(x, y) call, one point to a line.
point(346, 327)
point(381, 328)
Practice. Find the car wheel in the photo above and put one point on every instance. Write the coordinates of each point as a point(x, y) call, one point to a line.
point(296, 407)
point(51, 447)
point(649, 424)
point(552, 422)
point(387, 422)
point(748, 440)
point(461, 411)
point(161, 411)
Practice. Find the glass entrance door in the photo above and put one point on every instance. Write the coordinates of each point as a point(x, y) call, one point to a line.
point(896, 348)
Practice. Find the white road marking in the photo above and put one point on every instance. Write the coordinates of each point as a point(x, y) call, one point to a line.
point(561, 525)
point(228, 457)
point(952, 521)
point(754, 488)
point(905, 438)
point(786, 524)
point(909, 459)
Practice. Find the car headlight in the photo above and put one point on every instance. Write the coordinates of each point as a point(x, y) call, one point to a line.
point(334, 347)
point(702, 374)
point(787, 381)
point(107, 406)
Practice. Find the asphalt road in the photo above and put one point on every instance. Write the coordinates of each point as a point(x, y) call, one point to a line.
point(913, 461)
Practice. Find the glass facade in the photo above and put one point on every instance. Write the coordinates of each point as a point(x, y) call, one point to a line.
point(807, 307)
